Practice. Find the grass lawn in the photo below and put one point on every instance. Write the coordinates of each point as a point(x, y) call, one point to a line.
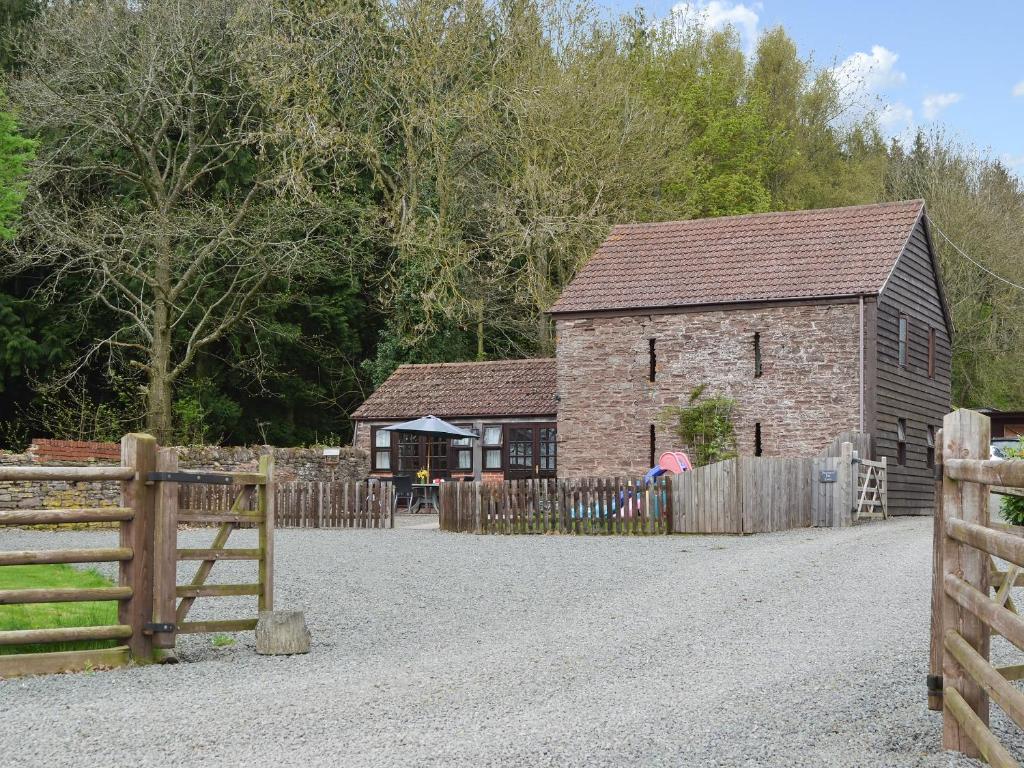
point(50, 615)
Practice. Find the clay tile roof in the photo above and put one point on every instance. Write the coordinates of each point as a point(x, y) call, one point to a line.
point(758, 257)
point(495, 388)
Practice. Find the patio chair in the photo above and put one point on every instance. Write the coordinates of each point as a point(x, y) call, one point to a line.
point(403, 492)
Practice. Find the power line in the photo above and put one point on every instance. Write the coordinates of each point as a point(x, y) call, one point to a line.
point(975, 262)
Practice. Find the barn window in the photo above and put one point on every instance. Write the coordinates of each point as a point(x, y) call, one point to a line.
point(654, 447)
point(904, 330)
point(653, 361)
point(757, 355)
point(901, 441)
point(931, 446)
point(758, 450)
point(931, 352)
point(381, 449)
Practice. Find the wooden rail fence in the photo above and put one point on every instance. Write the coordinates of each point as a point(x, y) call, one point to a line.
point(152, 607)
point(745, 495)
point(308, 504)
point(134, 592)
point(962, 679)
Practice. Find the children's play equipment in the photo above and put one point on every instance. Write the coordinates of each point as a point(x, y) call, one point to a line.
point(623, 503)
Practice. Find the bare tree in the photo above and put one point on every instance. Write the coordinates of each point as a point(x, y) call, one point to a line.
point(155, 188)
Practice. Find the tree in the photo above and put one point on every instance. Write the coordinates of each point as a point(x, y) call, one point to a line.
point(15, 153)
point(155, 194)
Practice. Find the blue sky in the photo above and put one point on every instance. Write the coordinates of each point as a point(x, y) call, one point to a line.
point(919, 63)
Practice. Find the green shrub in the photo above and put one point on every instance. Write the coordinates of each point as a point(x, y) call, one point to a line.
point(705, 426)
point(1013, 506)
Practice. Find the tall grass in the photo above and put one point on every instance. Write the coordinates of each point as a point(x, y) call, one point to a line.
point(52, 615)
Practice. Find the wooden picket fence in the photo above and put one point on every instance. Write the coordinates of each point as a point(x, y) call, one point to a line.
point(310, 504)
point(966, 547)
point(589, 506)
point(739, 496)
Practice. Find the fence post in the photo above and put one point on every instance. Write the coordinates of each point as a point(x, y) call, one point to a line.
point(883, 480)
point(165, 549)
point(965, 436)
point(846, 488)
point(139, 452)
point(935, 651)
point(265, 504)
point(669, 488)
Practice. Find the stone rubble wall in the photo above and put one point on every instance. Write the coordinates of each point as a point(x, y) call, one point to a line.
point(289, 464)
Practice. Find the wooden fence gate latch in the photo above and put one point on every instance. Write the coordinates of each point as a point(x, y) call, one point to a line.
point(154, 627)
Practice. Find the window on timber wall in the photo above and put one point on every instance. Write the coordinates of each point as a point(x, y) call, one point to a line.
point(931, 446)
point(931, 353)
point(654, 447)
point(901, 441)
point(653, 360)
point(757, 355)
point(904, 332)
point(758, 448)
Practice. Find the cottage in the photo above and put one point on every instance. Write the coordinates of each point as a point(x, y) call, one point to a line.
point(815, 322)
point(509, 403)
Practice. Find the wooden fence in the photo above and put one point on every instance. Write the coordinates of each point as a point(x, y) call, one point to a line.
point(745, 495)
point(133, 594)
point(309, 504)
point(152, 606)
point(564, 506)
point(964, 616)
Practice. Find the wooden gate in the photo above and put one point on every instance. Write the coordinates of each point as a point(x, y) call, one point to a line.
point(253, 506)
point(872, 490)
point(964, 616)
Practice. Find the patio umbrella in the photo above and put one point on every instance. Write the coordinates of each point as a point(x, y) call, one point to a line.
point(433, 426)
point(430, 425)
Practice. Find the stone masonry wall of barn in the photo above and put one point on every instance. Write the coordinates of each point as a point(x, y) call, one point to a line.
point(809, 390)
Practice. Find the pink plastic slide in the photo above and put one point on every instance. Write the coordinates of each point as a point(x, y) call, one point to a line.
point(675, 462)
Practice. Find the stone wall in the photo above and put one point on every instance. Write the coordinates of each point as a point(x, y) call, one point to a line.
point(39, 494)
point(289, 464)
point(808, 392)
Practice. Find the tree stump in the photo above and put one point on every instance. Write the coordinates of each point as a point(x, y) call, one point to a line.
point(281, 633)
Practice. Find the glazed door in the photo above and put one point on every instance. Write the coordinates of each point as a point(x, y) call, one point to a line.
point(530, 450)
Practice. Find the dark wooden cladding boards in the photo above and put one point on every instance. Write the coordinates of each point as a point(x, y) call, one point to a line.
point(908, 392)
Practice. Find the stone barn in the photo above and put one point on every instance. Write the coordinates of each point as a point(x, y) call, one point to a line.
point(814, 322)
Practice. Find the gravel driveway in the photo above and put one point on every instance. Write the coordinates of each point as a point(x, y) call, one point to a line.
point(805, 648)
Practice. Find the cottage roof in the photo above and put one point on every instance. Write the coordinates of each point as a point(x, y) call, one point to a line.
point(487, 389)
point(824, 253)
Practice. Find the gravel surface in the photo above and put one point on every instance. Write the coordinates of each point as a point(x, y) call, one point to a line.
point(806, 648)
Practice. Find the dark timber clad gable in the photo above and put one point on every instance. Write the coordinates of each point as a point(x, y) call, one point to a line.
point(908, 392)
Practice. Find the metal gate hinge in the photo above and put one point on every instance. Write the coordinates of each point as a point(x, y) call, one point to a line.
point(934, 682)
point(154, 627)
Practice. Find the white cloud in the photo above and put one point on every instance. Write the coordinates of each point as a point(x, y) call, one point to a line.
point(870, 73)
point(1013, 162)
point(719, 15)
point(1018, 89)
point(934, 103)
point(896, 118)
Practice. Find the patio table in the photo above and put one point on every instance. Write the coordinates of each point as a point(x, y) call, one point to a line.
point(425, 493)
